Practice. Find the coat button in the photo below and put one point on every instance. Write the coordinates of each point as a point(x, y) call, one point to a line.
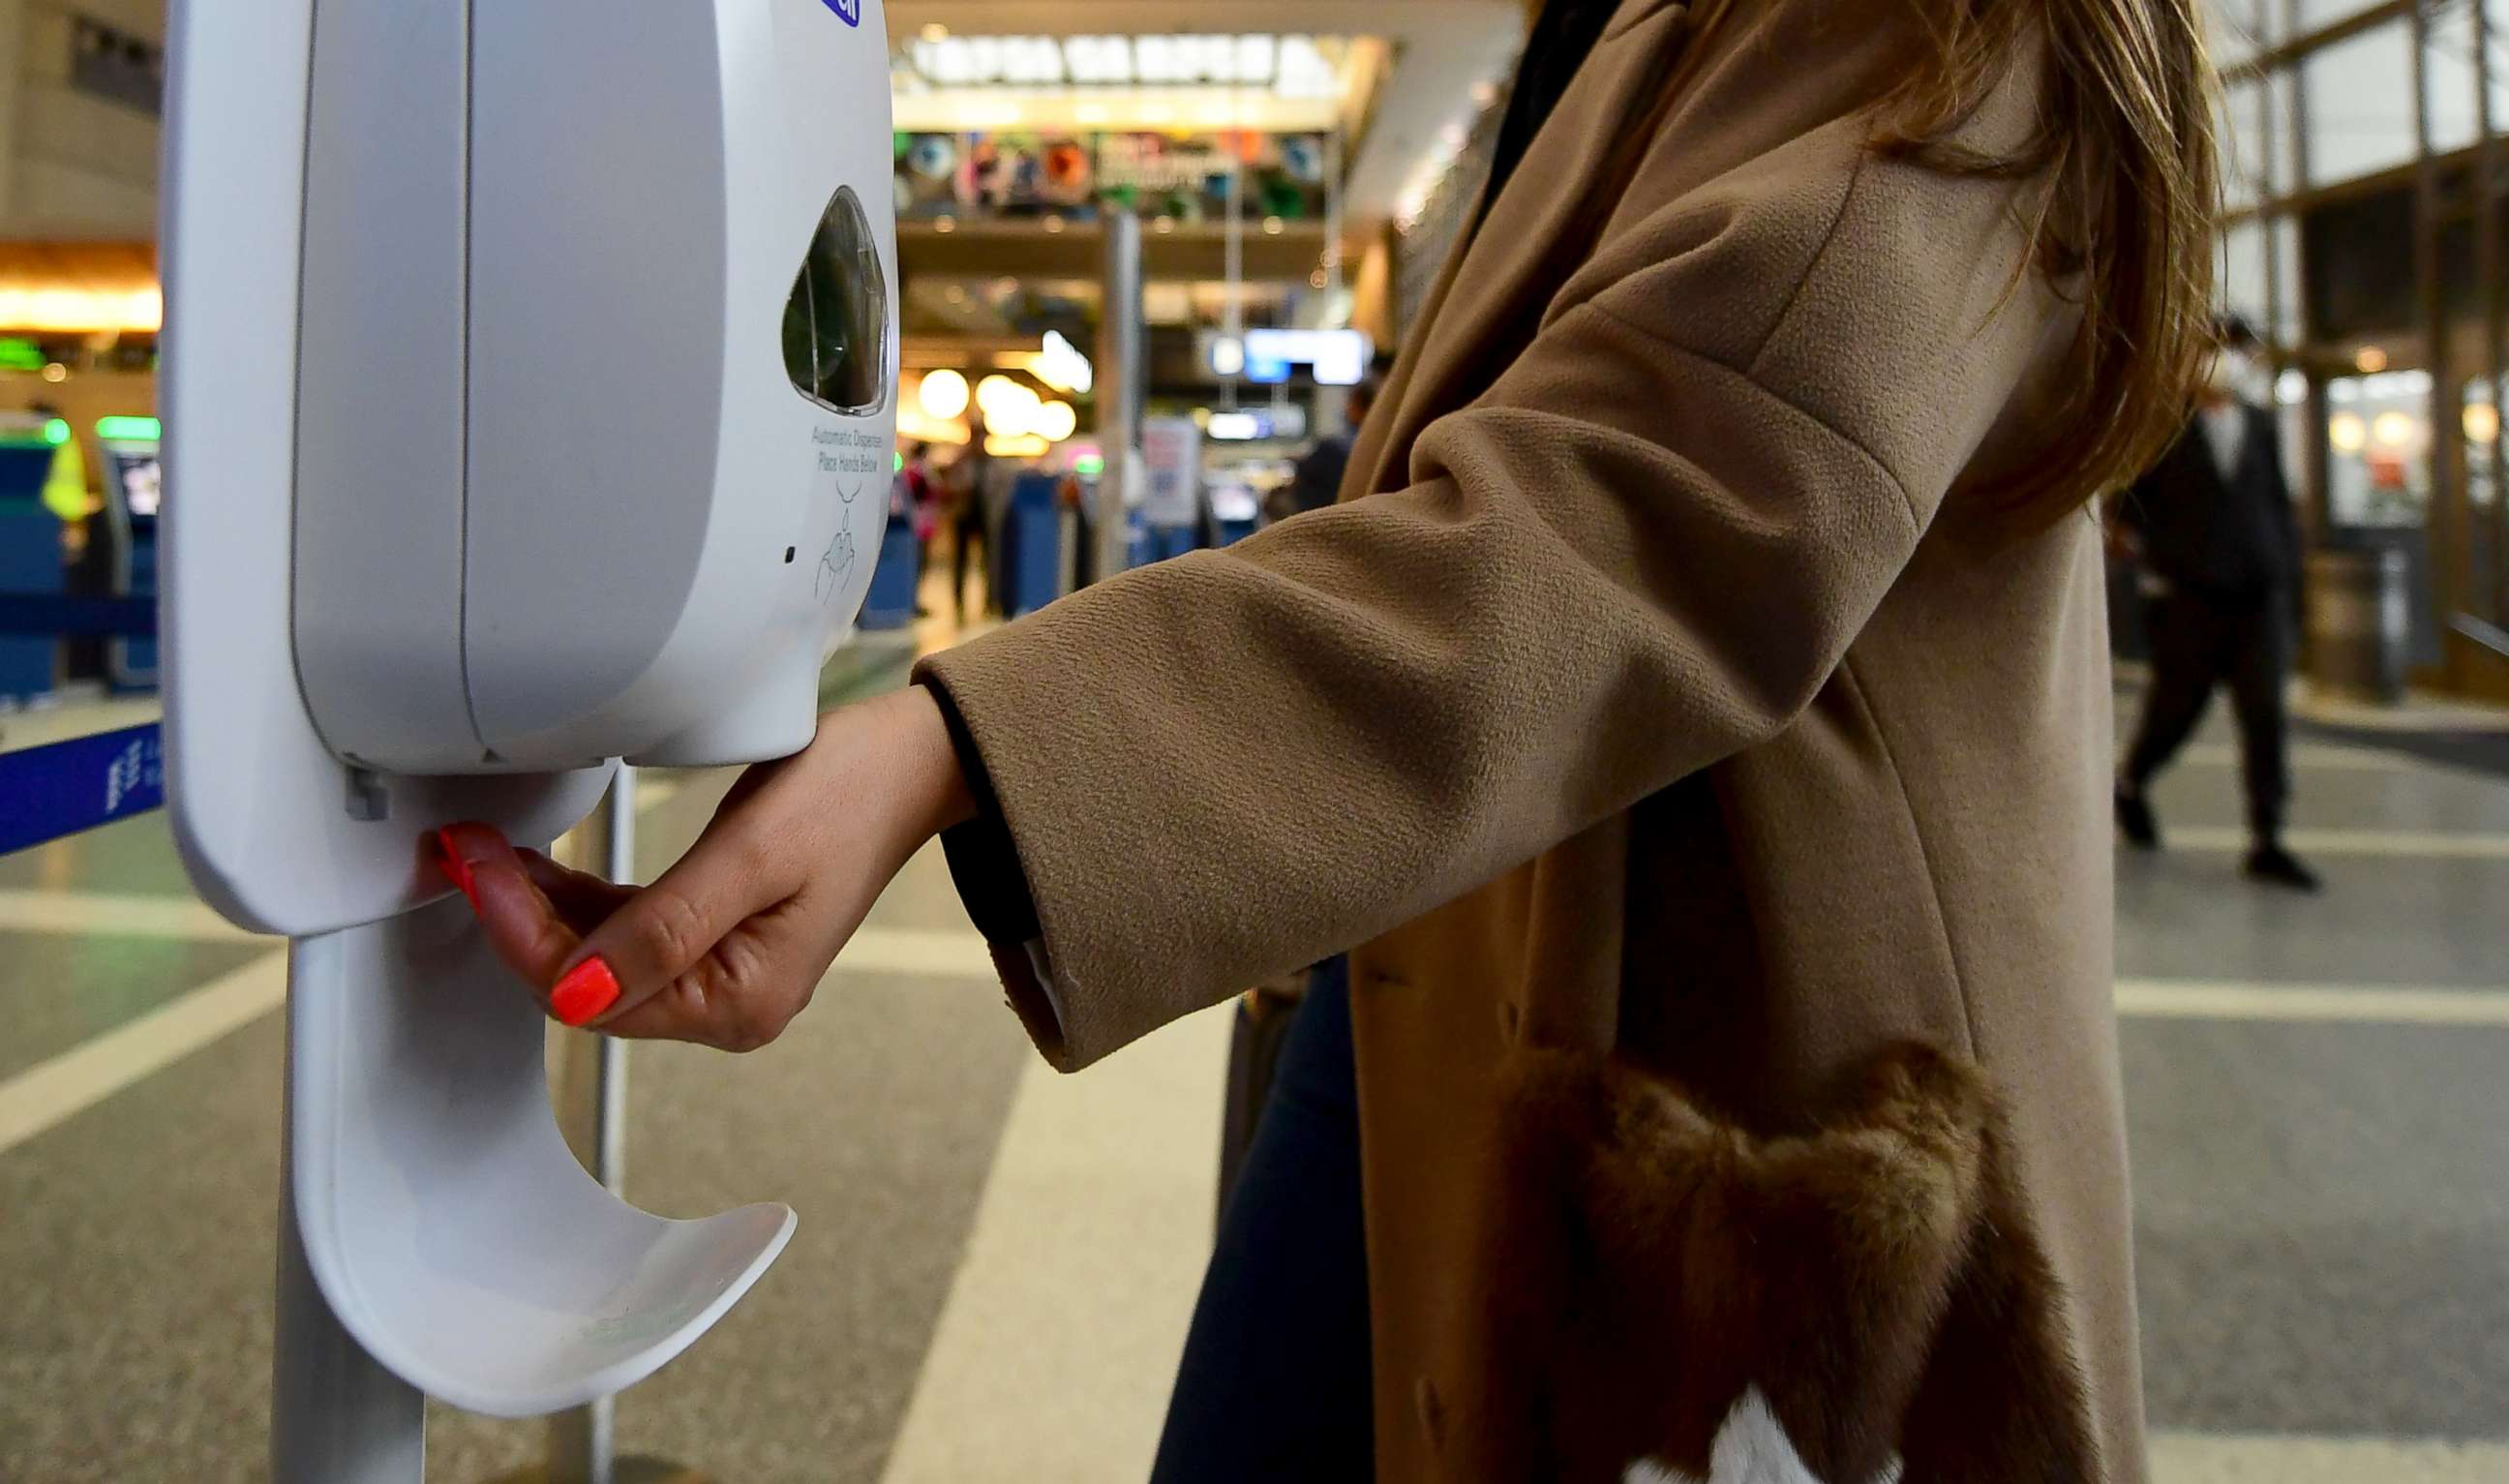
point(1433, 1411)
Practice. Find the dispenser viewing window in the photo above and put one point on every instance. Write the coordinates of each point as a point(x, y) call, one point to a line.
point(837, 321)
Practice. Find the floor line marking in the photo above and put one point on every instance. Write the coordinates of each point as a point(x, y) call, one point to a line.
point(2425, 844)
point(2328, 756)
point(58, 1090)
point(116, 915)
point(1054, 1350)
point(2196, 999)
point(940, 952)
point(2183, 1457)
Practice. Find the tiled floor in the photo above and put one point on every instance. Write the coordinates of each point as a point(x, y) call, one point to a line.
point(993, 1264)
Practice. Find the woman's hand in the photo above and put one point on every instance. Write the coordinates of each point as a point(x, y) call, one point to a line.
point(727, 946)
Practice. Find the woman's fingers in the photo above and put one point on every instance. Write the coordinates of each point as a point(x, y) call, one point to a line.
point(594, 950)
point(726, 947)
point(755, 981)
point(676, 935)
point(524, 926)
point(585, 901)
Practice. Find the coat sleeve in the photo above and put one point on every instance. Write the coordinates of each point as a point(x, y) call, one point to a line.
point(1645, 548)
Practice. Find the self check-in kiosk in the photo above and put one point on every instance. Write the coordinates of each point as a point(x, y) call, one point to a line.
point(442, 283)
point(30, 547)
point(133, 496)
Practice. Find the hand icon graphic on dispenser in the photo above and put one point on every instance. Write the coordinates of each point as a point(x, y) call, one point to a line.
point(456, 537)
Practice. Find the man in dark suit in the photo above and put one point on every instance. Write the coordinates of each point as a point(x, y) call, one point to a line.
point(2212, 523)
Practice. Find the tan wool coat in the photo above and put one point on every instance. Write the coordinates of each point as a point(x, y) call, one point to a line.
point(1716, 797)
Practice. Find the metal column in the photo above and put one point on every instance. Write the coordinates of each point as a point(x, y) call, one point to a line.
point(2494, 306)
point(588, 1086)
point(2444, 533)
point(336, 1417)
point(1120, 378)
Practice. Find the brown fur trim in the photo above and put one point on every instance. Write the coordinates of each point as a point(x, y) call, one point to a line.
point(1862, 1273)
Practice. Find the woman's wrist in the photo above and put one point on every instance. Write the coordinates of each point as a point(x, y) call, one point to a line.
point(933, 781)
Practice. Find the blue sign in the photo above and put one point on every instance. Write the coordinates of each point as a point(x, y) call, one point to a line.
point(61, 789)
point(847, 11)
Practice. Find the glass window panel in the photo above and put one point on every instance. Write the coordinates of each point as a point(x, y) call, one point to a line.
point(2451, 52)
point(2285, 237)
point(2314, 13)
point(2496, 15)
point(2241, 286)
point(2243, 146)
point(2360, 115)
point(2286, 123)
point(2234, 31)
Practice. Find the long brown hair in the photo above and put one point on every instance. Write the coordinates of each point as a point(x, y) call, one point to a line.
point(2125, 144)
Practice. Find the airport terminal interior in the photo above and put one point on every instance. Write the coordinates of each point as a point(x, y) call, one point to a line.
point(995, 1264)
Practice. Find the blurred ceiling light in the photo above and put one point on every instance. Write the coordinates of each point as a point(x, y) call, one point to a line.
point(2371, 359)
point(1273, 226)
point(1319, 278)
point(1056, 422)
point(2482, 423)
point(994, 393)
point(82, 309)
point(943, 394)
point(978, 114)
point(1061, 364)
point(1227, 355)
point(1164, 224)
point(54, 371)
point(1010, 408)
point(945, 224)
point(2346, 432)
point(936, 31)
point(1054, 224)
point(1015, 445)
point(2392, 429)
point(1291, 66)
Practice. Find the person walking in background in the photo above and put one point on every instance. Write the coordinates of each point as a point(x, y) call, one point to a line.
point(90, 545)
point(1317, 481)
point(969, 542)
point(913, 500)
point(2213, 527)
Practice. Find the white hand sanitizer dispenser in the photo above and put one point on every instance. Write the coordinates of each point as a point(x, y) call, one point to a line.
point(528, 384)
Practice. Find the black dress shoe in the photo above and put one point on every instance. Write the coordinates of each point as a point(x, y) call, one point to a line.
point(2275, 866)
point(2136, 822)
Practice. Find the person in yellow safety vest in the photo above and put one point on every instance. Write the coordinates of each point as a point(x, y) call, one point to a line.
point(65, 486)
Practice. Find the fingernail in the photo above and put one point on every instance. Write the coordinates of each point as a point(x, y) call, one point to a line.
point(583, 991)
point(450, 858)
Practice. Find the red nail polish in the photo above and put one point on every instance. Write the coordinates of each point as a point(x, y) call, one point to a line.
point(455, 866)
point(583, 991)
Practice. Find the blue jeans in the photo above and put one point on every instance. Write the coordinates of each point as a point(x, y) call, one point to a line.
point(1274, 1383)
